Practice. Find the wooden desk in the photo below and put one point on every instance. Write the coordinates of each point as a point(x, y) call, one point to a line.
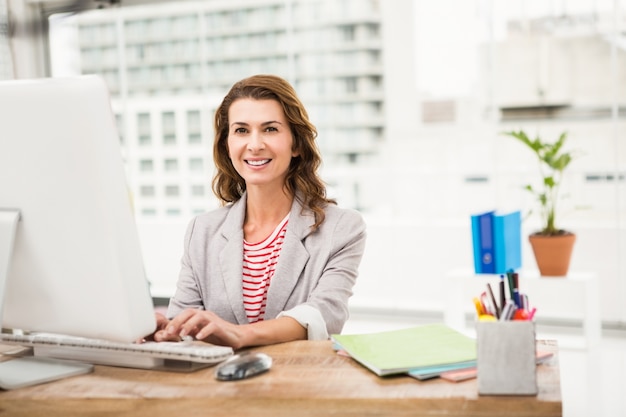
point(307, 379)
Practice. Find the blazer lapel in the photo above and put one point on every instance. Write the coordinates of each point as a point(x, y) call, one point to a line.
point(292, 260)
point(231, 258)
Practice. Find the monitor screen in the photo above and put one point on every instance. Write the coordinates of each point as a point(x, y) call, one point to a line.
point(75, 266)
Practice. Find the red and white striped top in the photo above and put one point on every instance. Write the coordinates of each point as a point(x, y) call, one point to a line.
point(259, 264)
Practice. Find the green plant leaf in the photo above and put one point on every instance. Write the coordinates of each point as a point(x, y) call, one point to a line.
point(552, 162)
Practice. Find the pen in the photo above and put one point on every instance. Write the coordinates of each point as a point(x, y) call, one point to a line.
point(502, 294)
point(524, 301)
point(479, 307)
point(493, 301)
point(515, 277)
point(507, 311)
point(509, 278)
point(488, 307)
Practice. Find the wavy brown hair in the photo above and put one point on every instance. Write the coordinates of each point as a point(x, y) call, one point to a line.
point(302, 181)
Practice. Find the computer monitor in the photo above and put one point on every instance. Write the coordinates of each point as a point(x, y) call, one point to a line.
point(75, 265)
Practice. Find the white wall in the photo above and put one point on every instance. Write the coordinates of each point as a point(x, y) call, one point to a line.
point(406, 262)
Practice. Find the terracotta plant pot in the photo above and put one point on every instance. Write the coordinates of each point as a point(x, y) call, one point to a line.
point(553, 253)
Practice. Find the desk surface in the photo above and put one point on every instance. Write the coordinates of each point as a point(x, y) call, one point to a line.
point(307, 379)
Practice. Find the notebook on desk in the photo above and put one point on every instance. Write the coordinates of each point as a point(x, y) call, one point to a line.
point(423, 348)
point(70, 257)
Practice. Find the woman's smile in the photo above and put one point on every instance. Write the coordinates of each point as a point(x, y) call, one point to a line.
point(257, 162)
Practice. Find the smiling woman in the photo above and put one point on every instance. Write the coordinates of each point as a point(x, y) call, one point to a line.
point(260, 146)
point(279, 260)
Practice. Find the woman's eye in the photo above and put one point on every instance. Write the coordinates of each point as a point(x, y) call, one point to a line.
point(271, 129)
point(240, 130)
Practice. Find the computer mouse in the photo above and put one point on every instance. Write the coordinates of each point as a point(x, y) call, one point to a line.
point(243, 365)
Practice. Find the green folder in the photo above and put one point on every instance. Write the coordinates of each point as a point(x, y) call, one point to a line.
point(414, 348)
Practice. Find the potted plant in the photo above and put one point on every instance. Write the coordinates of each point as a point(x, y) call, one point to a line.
point(551, 245)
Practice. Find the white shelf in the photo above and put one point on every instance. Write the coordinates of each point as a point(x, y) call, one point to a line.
point(571, 297)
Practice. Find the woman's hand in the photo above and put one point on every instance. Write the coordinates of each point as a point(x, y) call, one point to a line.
point(202, 325)
point(208, 327)
point(161, 325)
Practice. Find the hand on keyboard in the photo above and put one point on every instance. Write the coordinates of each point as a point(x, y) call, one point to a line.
point(202, 325)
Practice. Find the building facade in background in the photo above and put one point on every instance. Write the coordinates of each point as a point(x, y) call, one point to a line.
point(167, 67)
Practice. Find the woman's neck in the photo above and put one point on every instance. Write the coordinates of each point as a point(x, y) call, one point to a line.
point(264, 211)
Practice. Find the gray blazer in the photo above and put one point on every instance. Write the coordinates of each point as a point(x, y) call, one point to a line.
point(315, 271)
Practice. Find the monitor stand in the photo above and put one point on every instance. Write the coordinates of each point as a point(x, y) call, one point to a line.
point(26, 370)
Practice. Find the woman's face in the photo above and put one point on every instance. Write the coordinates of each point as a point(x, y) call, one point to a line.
point(260, 142)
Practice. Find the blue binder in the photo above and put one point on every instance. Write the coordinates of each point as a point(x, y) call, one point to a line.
point(507, 240)
point(483, 243)
point(496, 240)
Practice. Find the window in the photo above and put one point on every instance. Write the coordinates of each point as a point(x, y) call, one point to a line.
point(195, 138)
point(169, 139)
point(169, 122)
point(347, 33)
point(148, 212)
point(196, 164)
point(147, 191)
point(194, 127)
point(193, 120)
point(351, 85)
point(172, 191)
point(170, 165)
point(143, 123)
point(144, 129)
point(197, 190)
point(146, 165)
point(145, 140)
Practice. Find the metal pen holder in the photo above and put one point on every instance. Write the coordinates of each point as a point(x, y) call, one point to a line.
point(506, 358)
